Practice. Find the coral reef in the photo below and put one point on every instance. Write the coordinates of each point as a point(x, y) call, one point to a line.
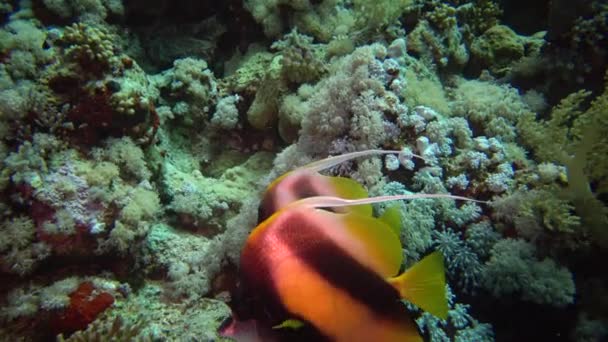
point(136, 140)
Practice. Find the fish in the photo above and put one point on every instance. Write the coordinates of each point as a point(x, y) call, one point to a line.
point(337, 274)
point(317, 267)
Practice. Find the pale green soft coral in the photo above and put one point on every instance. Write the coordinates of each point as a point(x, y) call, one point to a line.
point(204, 201)
point(5, 7)
point(497, 48)
point(373, 14)
point(127, 155)
point(85, 9)
point(190, 261)
point(31, 160)
point(162, 319)
point(513, 268)
point(576, 137)
point(325, 19)
point(244, 73)
point(479, 15)
point(424, 88)
point(115, 178)
point(191, 88)
point(494, 108)
point(540, 214)
point(19, 253)
point(143, 205)
point(441, 47)
point(139, 208)
point(22, 43)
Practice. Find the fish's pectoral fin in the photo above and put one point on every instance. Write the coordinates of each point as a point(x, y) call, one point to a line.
point(424, 285)
point(291, 323)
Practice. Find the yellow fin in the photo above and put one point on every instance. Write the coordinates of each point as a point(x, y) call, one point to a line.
point(392, 218)
point(350, 189)
point(291, 323)
point(384, 248)
point(424, 285)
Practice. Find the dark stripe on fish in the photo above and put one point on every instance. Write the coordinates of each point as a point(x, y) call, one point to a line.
point(260, 299)
point(301, 188)
point(340, 269)
point(259, 291)
point(267, 207)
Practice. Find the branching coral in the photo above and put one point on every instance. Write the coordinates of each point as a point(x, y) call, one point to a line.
point(191, 88)
point(88, 45)
point(478, 15)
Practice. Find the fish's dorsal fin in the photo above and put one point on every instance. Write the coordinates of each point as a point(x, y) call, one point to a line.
point(392, 218)
point(335, 202)
point(348, 188)
point(382, 246)
point(330, 162)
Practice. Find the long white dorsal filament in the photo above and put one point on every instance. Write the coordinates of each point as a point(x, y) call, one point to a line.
point(329, 162)
point(333, 202)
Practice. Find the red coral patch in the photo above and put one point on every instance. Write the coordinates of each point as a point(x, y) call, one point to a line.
point(85, 306)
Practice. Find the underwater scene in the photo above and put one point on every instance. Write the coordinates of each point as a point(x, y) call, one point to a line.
point(306, 170)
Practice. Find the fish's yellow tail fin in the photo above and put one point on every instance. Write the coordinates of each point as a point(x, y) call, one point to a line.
point(424, 285)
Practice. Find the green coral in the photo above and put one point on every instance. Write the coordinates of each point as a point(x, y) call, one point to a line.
point(205, 203)
point(494, 109)
point(20, 253)
point(541, 214)
point(302, 61)
point(513, 267)
point(577, 137)
point(443, 16)
point(443, 47)
point(371, 15)
point(497, 48)
point(479, 15)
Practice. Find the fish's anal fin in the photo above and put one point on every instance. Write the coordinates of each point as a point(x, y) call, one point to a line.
point(424, 285)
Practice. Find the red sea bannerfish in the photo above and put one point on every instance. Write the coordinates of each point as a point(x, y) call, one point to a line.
point(320, 267)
